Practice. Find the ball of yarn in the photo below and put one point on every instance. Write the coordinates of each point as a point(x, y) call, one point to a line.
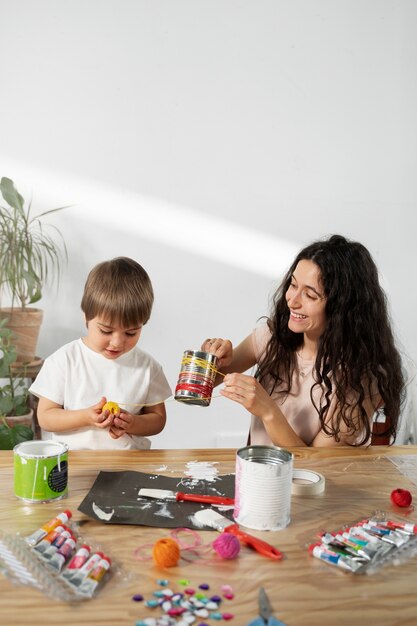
point(166, 552)
point(112, 407)
point(401, 497)
point(227, 546)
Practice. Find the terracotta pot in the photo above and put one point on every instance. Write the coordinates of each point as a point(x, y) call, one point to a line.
point(26, 326)
point(26, 419)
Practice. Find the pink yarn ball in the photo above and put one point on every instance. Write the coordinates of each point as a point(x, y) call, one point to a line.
point(227, 546)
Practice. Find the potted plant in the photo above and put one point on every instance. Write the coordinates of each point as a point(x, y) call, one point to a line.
point(30, 258)
point(15, 413)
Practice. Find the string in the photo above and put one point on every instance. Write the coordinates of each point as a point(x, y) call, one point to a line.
point(169, 399)
point(192, 550)
point(199, 362)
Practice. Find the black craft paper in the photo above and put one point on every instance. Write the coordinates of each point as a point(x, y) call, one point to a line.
point(114, 499)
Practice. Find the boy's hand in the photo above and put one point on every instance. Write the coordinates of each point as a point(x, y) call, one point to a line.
point(121, 424)
point(99, 418)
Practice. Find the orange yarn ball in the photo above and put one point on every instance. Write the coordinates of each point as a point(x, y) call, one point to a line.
point(166, 552)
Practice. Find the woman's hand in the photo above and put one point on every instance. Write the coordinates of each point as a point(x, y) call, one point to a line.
point(221, 348)
point(248, 392)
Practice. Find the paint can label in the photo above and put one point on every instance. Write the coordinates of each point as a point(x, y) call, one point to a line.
point(41, 471)
point(263, 487)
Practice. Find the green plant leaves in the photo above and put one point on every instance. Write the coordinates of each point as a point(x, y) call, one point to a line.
point(10, 194)
point(10, 437)
point(30, 255)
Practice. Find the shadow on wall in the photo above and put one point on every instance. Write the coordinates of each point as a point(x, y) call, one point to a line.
point(212, 237)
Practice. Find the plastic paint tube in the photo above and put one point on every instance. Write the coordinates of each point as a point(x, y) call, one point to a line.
point(379, 530)
point(339, 560)
point(63, 554)
point(39, 534)
point(376, 540)
point(363, 534)
point(330, 540)
point(368, 552)
point(94, 578)
point(50, 537)
point(56, 544)
point(338, 548)
point(77, 576)
point(386, 535)
point(392, 525)
point(78, 560)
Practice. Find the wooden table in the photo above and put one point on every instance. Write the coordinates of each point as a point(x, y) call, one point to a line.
point(304, 591)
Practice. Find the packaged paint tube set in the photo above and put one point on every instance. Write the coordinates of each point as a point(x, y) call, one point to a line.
point(56, 561)
point(368, 544)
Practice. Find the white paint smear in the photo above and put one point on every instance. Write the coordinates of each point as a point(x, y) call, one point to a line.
point(164, 512)
point(202, 470)
point(102, 514)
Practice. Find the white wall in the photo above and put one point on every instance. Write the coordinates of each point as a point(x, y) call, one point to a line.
point(210, 140)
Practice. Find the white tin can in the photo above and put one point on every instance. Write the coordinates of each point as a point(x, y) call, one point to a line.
point(263, 487)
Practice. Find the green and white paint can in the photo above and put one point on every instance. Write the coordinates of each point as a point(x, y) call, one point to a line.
point(41, 470)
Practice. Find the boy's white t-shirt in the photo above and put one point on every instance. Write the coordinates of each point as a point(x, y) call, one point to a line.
point(76, 377)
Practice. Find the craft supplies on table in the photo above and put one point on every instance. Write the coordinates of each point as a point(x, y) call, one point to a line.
point(364, 546)
point(41, 471)
point(196, 378)
point(55, 560)
point(166, 494)
point(263, 487)
point(266, 617)
point(222, 524)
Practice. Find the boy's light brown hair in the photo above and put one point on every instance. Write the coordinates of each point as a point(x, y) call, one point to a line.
point(119, 291)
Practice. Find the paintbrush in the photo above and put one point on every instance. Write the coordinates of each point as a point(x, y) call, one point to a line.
point(166, 494)
point(211, 518)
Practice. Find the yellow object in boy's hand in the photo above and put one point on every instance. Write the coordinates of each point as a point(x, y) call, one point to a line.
point(113, 407)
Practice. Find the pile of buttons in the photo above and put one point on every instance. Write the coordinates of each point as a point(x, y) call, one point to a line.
point(186, 607)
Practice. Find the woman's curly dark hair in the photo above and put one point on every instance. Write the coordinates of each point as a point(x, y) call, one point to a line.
point(357, 349)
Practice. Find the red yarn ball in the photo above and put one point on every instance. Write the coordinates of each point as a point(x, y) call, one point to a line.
point(401, 497)
point(227, 546)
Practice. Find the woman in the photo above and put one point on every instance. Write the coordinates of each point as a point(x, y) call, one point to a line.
point(326, 358)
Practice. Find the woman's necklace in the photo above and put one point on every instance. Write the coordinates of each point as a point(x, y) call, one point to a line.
point(305, 366)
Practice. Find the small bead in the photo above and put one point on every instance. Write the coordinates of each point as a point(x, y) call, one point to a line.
point(217, 616)
point(204, 586)
point(216, 599)
point(184, 582)
point(151, 603)
point(189, 591)
point(138, 597)
point(177, 597)
point(229, 596)
point(212, 605)
point(162, 582)
point(227, 616)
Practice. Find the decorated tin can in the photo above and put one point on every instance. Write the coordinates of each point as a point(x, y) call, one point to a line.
point(196, 378)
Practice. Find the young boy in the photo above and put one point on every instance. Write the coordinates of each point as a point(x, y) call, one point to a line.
point(77, 380)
